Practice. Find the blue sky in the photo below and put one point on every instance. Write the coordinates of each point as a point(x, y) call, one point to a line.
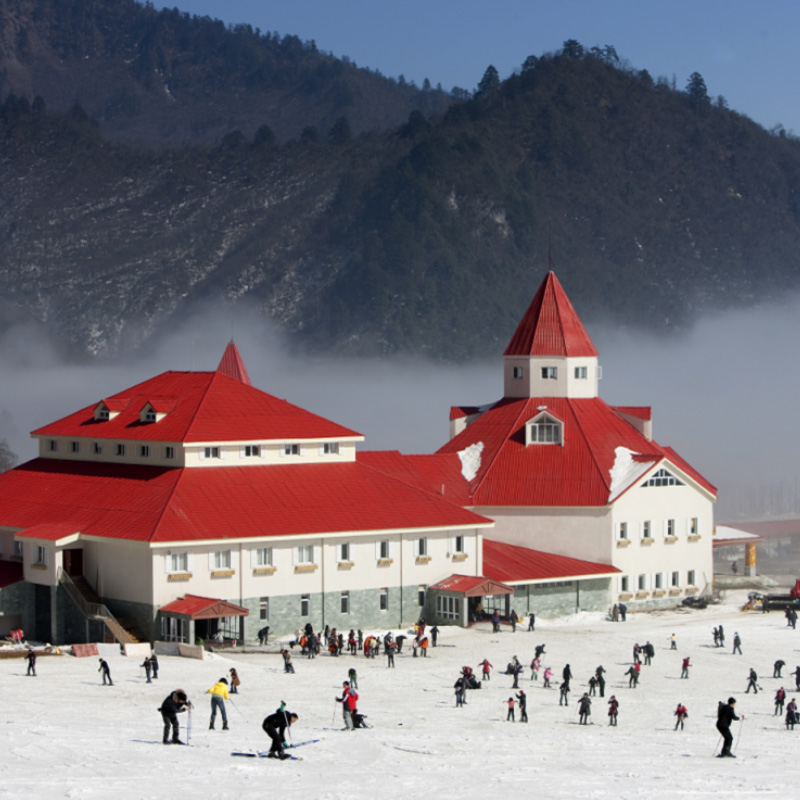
point(746, 51)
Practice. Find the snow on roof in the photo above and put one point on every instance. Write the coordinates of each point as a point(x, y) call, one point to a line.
point(470, 460)
point(625, 471)
point(726, 534)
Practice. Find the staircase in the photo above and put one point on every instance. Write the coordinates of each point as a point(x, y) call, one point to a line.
point(86, 599)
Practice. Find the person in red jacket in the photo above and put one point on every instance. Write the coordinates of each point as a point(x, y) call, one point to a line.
point(486, 666)
point(685, 668)
point(348, 701)
point(681, 712)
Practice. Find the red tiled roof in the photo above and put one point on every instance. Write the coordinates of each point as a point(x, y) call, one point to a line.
point(190, 605)
point(551, 326)
point(232, 365)
point(508, 562)
point(48, 531)
point(205, 407)
point(152, 504)
point(472, 586)
point(576, 473)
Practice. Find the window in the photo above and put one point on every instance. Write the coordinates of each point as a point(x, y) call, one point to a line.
point(669, 528)
point(693, 526)
point(422, 547)
point(291, 449)
point(580, 373)
point(450, 607)
point(384, 599)
point(549, 373)
point(262, 557)
point(625, 583)
point(305, 554)
point(344, 551)
point(144, 451)
point(103, 415)
point(174, 629)
point(149, 415)
point(97, 448)
point(344, 603)
point(662, 478)
point(642, 583)
point(622, 530)
point(647, 532)
point(263, 608)
point(121, 449)
point(518, 372)
point(676, 579)
point(178, 562)
point(659, 580)
point(75, 447)
point(330, 448)
point(40, 555)
point(221, 559)
point(305, 605)
point(383, 548)
point(690, 577)
point(52, 445)
point(169, 451)
point(211, 452)
point(458, 544)
point(251, 451)
point(421, 592)
point(545, 430)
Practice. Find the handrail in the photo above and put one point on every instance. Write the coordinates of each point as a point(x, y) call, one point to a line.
point(93, 610)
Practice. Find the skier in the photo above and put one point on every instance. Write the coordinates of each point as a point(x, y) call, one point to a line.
point(31, 657)
point(147, 668)
point(716, 637)
point(539, 651)
point(623, 611)
point(566, 674)
point(104, 668)
point(351, 674)
point(517, 671)
point(175, 703)
point(791, 714)
point(154, 665)
point(593, 686)
point(613, 711)
point(726, 713)
point(777, 667)
point(634, 676)
point(424, 646)
point(721, 636)
point(513, 620)
point(681, 712)
point(584, 709)
point(275, 726)
point(796, 674)
point(523, 705)
point(511, 703)
point(263, 635)
point(287, 661)
point(737, 644)
point(548, 674)
point(780, 698)
point(601, 681)
point(535, 664)
point(673, 644)
point(460, 686)
point(752, 681)
point(563, 694)
point(434, 634)
point(531, 621)
point(348, 701)
point(637, 651)
point(219, 694)
point(389, 649)
point(234, 681)
point(615, 613)
point(486, 666)
point(685, 667)
point(649, 652)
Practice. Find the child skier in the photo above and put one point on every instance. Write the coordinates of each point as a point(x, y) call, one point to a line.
point(613, 710)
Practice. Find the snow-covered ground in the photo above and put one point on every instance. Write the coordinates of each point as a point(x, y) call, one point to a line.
point(66, 735)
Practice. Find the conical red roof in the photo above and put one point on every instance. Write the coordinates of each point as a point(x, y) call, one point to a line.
point(232, 364)
point(551, 326)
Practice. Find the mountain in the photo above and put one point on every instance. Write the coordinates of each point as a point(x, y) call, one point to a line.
point(655, 206)
point(166, 78)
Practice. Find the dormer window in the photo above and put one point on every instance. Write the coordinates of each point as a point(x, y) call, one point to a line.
point(580, 373)
point(549, 373)
point(518, 372)
point(330, 448)
point(544, 429)
point(662, 478)
point(102, 414)
point(150, 415)
point(107, 409)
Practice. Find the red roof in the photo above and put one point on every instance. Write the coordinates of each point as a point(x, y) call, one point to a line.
point(640, 412)
point(163, 505)
point(472, 586)
point(48, 531)
point(551, 326)
point(576, 473)
point(508, 562)
point(190, 605)
point(232, 365)
point(204, 407)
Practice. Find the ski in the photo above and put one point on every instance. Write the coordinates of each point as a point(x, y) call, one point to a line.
point(307, 741)
point(265, 754)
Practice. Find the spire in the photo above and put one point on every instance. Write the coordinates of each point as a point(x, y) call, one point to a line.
point(232, 364)
point(551, 326)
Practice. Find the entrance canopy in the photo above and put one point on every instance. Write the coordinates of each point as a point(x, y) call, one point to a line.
point(194, 607)
point(472, 586)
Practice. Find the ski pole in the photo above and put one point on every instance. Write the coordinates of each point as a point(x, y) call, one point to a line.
point(333, 718)
point(230, 700)
point(286, 720)
point(739, 734)
point(189, 725)
point(716, 747)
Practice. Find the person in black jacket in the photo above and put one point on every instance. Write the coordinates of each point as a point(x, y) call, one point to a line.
point(31, 656)
point(726, 714)
point(174, 704)
point(275, 726)
point(567, 675)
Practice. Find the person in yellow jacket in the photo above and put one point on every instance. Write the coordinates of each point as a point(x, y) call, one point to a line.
point(219, 694)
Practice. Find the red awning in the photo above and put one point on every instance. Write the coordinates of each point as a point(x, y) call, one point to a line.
point(472, 586)
point(194, 607)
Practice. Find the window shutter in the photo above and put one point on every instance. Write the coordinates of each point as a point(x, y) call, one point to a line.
point(222, 452)
point(241, 451)
point(202, 453)
point(282, 451)
point(262, 450)
point(167, 563)
point(322, 450)
point(189, 562)
point(234, 559)
point(253, 558)
point(295, 556)
point(378, 549)
point(211, 559)
point(302, 449)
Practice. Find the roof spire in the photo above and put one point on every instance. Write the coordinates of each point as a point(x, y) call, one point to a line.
point(550, 326)
point(232, 364)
